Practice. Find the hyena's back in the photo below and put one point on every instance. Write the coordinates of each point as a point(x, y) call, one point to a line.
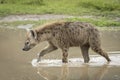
point(68, 34)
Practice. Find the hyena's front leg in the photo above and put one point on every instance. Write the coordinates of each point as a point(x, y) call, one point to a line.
point(65, 55)
point(48, 49)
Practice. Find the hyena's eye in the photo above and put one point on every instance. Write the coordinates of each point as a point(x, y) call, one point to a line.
point(27, 43)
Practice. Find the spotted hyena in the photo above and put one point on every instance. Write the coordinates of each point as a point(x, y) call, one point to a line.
point(64, 35)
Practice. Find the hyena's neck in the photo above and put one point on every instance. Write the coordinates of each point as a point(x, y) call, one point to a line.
point(44, 35)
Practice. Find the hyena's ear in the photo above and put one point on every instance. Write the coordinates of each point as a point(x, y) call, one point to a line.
point(33, 34)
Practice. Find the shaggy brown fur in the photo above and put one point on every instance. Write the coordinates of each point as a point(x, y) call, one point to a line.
point(64, 35)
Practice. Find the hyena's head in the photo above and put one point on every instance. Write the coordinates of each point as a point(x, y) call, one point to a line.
point(31, 40)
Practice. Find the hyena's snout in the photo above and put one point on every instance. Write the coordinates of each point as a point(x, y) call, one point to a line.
point(28, 46)
point(25, 49)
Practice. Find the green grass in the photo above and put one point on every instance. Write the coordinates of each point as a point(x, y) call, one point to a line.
point(101, 22)
point(70, 7)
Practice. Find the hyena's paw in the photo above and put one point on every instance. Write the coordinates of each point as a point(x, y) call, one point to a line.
point(39, 59)
point(64, 60)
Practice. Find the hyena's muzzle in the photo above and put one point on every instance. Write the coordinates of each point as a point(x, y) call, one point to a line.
point(28, 46)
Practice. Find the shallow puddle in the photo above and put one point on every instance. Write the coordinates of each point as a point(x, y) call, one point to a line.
point(16, 64)
point(84, 72)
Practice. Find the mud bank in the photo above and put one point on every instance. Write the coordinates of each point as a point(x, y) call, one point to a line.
point(11, 18)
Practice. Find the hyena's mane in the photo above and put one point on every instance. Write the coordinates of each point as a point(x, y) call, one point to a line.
point(49, 26)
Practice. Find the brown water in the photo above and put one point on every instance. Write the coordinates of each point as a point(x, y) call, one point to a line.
point(16, 64)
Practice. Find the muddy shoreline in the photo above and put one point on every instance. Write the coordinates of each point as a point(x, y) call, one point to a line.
point(11, 18)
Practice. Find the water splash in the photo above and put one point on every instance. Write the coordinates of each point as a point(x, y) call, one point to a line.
point(77, 62)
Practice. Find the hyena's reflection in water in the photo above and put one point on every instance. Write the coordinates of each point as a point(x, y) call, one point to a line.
point(101, 72)
point(55, 75)
point(98, 75)
point(46, 74)
point(84, 72)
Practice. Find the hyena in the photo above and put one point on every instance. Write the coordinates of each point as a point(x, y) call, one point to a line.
point(64, 35)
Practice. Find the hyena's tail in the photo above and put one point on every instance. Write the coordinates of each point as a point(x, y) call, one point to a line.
point(95, 43)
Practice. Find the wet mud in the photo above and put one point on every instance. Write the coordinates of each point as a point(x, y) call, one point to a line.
point(15, 64)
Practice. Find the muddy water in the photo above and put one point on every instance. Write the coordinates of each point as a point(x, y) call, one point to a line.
point(16, 64)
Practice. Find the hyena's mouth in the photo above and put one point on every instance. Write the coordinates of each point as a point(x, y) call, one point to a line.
point(26, 49)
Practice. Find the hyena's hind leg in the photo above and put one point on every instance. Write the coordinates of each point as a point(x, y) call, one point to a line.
point(48, 49)
point(101, 52)
point(84, 50)
point(95, 44)
point(96, 47)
